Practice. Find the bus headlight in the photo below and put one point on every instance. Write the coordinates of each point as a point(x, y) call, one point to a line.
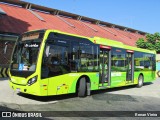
point(32, 80)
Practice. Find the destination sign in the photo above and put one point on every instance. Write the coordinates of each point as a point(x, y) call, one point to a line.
point(30, 36)
point(34, 45)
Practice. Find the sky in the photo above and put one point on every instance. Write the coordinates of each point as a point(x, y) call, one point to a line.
point(143, 15)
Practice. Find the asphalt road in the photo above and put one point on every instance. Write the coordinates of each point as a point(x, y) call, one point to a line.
point(122, 99)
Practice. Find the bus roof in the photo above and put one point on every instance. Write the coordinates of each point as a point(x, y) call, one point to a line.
point(101, 41)
point(113, 43)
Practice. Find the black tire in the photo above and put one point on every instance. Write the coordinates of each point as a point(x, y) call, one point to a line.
point(140, 81)
point(82, 87)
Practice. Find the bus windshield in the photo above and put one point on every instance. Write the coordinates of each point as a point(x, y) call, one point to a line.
point(26, 52)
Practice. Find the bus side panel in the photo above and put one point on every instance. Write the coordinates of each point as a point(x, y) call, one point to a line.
point(118, 79)
point(43, 87)
point(64, 84)
point(59, 84)
point(136, 75)
point(149, 76)
point(93, 77)
point(94, 80)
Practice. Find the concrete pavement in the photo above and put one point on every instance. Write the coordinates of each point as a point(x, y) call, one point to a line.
point(118, 99)
point(7, 95)
point(151, 89)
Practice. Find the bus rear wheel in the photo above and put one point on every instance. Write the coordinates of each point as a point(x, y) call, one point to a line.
point(82, 87)
point(140, 81)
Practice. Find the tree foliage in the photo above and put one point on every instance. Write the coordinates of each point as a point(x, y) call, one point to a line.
point(152, 42)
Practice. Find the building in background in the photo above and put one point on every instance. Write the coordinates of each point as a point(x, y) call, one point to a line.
point(17, 17)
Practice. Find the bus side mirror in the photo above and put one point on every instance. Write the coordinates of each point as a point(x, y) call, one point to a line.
point(47, 51)
point(5, 48)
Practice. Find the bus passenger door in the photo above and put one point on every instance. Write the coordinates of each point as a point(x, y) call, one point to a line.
point(105, 54)
point(130, 67)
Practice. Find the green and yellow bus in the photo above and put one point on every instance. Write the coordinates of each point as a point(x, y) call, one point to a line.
point(50, 62)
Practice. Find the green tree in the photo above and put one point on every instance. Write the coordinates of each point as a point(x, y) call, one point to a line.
point(141, 43)
point(152, 42)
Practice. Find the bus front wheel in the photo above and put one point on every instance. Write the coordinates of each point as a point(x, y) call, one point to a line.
point(82, 87)
point(140, 81)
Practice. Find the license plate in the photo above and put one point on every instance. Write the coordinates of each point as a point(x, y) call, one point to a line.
point(18, 90)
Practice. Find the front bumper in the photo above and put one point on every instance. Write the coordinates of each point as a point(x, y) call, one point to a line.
point(25, 89)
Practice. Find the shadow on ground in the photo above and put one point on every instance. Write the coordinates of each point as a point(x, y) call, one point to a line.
point(2, 79)
point(118, 88)
point(48, 98)
point(114, 97)
point(103, 93)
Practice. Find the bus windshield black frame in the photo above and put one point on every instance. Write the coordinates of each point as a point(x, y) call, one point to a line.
point(25, 55)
